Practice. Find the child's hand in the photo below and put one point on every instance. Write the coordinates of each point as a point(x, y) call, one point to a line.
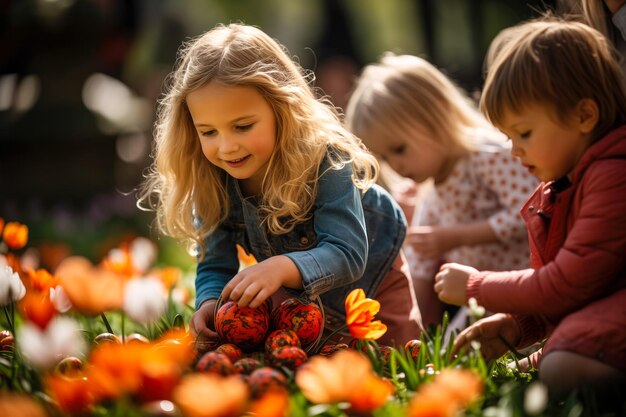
point(495, 334)
point(256, 283)
point(200, 321)
point(431, 242)
point(451, 283)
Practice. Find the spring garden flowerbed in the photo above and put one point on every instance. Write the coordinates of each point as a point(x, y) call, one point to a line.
point(110, 339)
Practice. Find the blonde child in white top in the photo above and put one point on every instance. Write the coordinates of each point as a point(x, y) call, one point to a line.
point(413, 117)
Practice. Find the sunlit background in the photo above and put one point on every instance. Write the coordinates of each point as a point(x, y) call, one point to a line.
point(79, 80)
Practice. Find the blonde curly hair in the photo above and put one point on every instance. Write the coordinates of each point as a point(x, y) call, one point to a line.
point(182, 186)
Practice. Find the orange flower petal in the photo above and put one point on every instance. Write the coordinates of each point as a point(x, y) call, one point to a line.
point(355, 296)
point(372, 394)
point(369, 331)
point(15, 235)
point(208, 395)
point(91, 290)
point(362, 311)
point(328, 380)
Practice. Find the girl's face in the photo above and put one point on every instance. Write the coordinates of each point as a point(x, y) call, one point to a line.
point(547, 148)
point(411, 157)
point(237, 130)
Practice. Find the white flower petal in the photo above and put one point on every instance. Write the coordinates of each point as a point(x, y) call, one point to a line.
point(535, 398)
point(11, 286)
point(145, 299)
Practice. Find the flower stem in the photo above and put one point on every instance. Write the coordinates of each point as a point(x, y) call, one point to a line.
point(106, 323)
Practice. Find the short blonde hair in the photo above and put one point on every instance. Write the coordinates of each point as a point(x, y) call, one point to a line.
point(557, 63)
point(403, 94)
point(182, 185)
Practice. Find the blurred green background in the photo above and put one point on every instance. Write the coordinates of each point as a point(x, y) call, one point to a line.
point(79, 80)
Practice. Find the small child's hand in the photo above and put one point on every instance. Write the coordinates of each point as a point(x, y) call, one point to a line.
point(202, 320)
point(255, 284)
point(496, 334)
point(431, 242)
point(451, 283)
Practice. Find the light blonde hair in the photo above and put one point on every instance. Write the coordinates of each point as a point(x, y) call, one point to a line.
point(183, 186)
point(557, 63)
point(402, 94)
point(597, 15)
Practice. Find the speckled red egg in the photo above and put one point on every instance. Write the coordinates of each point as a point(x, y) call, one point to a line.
point(279, 338)
point(328, 350)
point(233, 352)
point(70, 367)
point(264, 379)
point(216, 363)
point(107, 338)
point(245, 327)
point(7, 341)
point(267, 306)
point(304, 319)
point(413, 348)
point(245, 366)
point(385, 352)
point(288, 356)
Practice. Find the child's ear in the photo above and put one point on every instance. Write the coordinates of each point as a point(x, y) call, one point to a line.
point(587, 115)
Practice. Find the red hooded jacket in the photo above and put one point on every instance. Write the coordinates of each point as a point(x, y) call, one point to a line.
point(577, 235)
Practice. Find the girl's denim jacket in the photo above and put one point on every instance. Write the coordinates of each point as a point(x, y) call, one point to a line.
point(350, 241)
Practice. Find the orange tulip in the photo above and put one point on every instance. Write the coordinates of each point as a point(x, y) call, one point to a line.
point(346, 376)
point(274, 403)
point(448, 393)
point(1, 225)
point(15, 235)
point(73, 395)
point(359, 314)
point(91, 290)
point(41, 281)
point(38, 308)
point(209, 395)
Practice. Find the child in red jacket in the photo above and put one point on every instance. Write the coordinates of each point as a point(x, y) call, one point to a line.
point(556, 90)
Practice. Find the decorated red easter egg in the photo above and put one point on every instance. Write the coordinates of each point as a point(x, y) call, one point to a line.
point(279, 338)
point(233, 352)
point(136, 338)
point(328, 350)
point(288, 356)
point(264, 379)
point(107, 338)
point(245, 327)
point(7, 341)
point(413, 347)
point(216, 363)
point(246, 365)
point(385, 352)
point(306, 319)
point(70, 367)
point(267, 306)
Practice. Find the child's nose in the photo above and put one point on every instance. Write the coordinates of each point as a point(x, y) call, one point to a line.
point(228, 144)
point(516, 151)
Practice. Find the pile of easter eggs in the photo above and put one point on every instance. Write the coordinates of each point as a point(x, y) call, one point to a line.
point(258, 342)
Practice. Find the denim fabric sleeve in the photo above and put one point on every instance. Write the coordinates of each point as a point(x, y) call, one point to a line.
point(219, 265)
point(340, 256)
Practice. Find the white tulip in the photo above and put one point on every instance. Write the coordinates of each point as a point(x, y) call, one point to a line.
point(145, 299)
point(43, 349)
point(11, 287)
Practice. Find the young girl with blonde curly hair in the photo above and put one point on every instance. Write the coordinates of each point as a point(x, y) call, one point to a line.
point(246, 155)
